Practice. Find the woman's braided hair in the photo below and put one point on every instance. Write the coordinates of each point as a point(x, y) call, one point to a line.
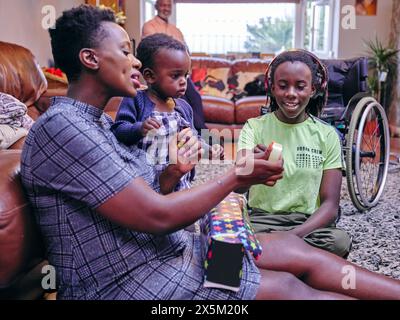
point(319, 78)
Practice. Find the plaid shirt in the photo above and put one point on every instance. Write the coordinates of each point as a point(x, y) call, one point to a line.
point(71, 164)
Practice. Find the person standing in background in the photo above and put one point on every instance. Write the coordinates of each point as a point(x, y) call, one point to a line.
point(160, 24)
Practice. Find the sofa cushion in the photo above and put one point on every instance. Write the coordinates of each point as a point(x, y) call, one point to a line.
point(218, 110)
point(239, 82)
point(212, 81)
point(13, 112)
point(248, 107)
point(210, 76)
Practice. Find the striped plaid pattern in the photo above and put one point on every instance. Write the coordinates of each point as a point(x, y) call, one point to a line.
point(156, 143)
point(70, 165)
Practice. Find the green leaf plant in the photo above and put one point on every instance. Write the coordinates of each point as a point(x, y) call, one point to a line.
point(382, 62)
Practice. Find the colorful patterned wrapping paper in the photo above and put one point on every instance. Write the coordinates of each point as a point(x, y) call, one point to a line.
point(227, 233)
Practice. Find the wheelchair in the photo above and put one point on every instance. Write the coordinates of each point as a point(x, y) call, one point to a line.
point(363, 127)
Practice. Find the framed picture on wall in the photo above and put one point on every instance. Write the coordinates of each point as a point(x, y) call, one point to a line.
point(366, 7)
point(118, 6)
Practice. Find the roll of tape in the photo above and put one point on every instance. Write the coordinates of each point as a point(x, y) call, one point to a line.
point(276, 151)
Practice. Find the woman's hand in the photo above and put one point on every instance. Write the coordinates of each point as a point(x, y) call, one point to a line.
point(254, 169)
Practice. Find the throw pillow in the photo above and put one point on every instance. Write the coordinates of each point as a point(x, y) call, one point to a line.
point(9, 135)
point(13, 112)
point(211, 81)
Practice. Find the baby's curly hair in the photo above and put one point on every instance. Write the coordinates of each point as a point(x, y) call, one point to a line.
point(319, 79)
point(149, 47)
point(77, 28)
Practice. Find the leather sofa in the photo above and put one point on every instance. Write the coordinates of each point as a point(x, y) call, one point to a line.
point(22, 253)
point(21, 77)
point(224, 107)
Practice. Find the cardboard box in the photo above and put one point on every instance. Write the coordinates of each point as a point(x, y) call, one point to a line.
point(227, 234)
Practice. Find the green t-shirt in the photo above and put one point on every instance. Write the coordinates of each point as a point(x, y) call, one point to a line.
point(309, 148)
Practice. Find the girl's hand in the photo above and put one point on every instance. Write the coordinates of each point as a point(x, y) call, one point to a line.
point(148, 125)
point(261, 152)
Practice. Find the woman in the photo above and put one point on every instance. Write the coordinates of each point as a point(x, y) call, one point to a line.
point(81, 183)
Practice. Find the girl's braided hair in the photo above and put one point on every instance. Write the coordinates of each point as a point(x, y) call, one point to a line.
point(319, 78)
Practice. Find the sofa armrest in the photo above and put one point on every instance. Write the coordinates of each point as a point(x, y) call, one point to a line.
point(43, 103)
point(19, 144)
point(21, 245)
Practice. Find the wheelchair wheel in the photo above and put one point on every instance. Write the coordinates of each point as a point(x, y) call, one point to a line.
point(367, 156)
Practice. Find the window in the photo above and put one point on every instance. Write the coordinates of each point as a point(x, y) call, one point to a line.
point(255, 27)
point(319, 27)
point(149, 10)
point(243, 27)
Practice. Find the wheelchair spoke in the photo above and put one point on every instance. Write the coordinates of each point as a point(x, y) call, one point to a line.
point(366, 166)
point(370, 164)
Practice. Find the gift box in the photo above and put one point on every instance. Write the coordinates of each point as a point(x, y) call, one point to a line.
point(227, 234)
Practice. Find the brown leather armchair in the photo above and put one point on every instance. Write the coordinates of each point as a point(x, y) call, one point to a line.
point(22, 253)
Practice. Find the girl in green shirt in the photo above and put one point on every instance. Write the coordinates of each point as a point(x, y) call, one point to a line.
point(306, 201)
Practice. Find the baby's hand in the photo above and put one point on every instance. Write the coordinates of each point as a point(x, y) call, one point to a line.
point(184, 150)
point(216, 152)
point(148, 125)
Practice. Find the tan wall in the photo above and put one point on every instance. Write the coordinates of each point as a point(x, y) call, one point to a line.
point(21, 23)
point(367, 27)
point(133, 23)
